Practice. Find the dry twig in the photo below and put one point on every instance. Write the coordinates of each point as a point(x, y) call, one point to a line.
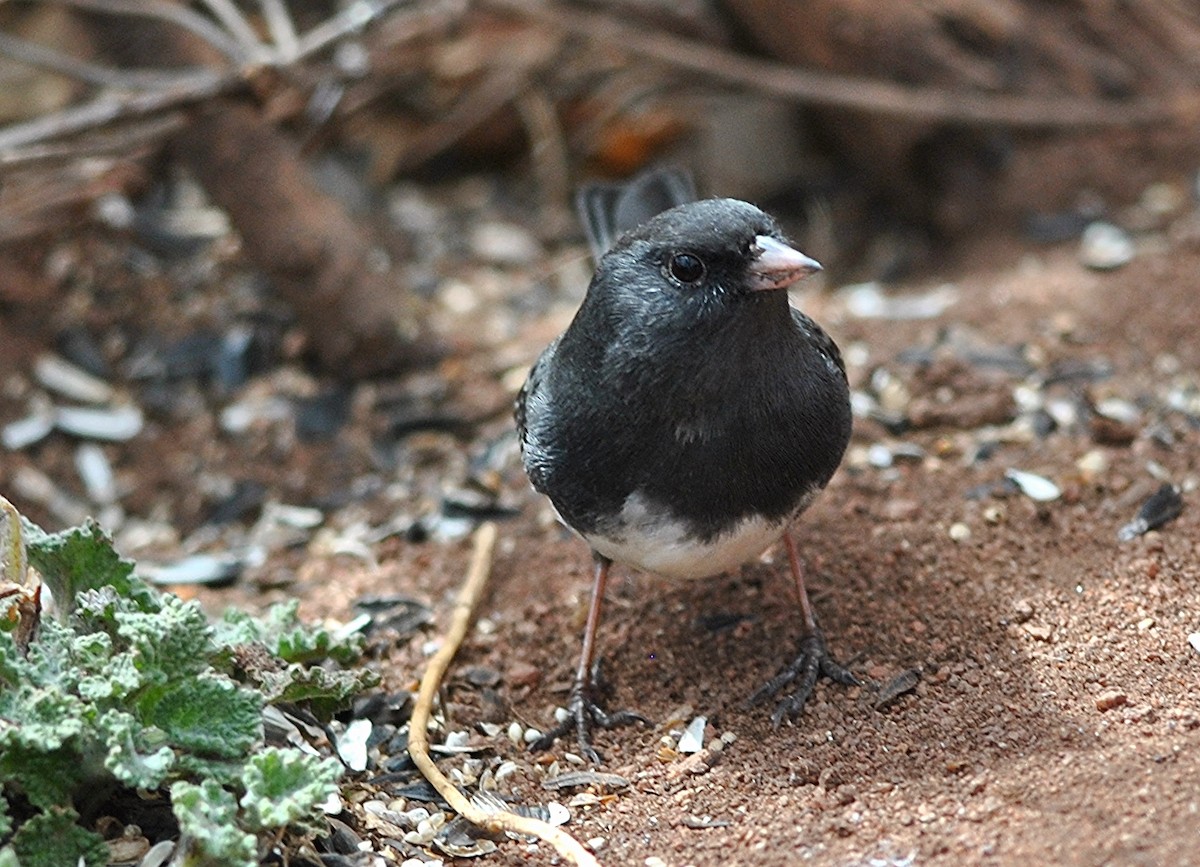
point(90, 73)
point(418, 740)
point(151, 91)
point(109, 108)
point(172, 13)
point(843, 91)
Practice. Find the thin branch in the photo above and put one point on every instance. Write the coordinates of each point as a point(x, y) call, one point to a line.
point(842, 91)
point(55, 61)
point(354, 17)
point(548, 156)
point(418, 738)
point(108, 108)
point(172, 13)
point(235, 22)
point(283, 30)
point(124, 140)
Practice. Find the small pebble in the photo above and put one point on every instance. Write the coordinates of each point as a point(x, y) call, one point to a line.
point(879, 456)
point(900, 510)
point(1162, 199)
point(1039, 631)
point(960, 532)
point(1194, 641)
point(531, 735)
point(504, 244)
point(1093, 464)
point(1022, 610)
point(1105, 247)
point(1110, 699)
point(522, 674)
point(655, 861)
point(868, 301)
point(595, 843)
point(515, 732)
point(1119, 409)
point(417, 815)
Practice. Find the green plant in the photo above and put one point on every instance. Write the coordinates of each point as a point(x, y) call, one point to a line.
point(131, 687)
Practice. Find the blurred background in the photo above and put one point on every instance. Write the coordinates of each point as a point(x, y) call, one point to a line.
point(283, 251)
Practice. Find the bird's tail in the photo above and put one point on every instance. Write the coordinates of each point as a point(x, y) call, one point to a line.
point(608, 210)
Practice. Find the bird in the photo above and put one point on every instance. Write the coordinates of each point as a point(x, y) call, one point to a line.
point(687, 415)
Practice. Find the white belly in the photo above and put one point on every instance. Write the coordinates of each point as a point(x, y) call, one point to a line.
point(647, 539)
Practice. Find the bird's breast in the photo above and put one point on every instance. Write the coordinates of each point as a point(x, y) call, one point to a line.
point(648, 536)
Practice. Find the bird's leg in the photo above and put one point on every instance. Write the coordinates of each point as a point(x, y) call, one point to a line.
point(583, 710)
point(813, 662)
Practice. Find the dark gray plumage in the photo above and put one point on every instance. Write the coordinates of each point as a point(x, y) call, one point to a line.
point(688, 413)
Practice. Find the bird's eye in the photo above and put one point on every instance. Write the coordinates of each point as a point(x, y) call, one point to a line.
point(686, 268)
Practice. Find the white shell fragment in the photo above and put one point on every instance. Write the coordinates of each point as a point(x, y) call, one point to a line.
point(97, 473)
point(867, 301)
point(692, 739)
point(1105, 247)
point(197, 569)
point(1034, 486)
point(301, 517)
point(352, 745)
point(240, 417)
point(559, 814)
point(60, 376)
point(113, 425)
point(158, 854)
point(26, 431)
point(1194, 641)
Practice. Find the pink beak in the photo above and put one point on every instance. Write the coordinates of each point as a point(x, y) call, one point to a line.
point(776, 265)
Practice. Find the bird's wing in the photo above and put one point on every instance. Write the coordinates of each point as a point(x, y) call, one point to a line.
point(823, 341)
point(532, 383)
point(608, 210)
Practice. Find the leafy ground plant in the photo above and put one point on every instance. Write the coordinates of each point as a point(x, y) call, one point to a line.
point(130, 690)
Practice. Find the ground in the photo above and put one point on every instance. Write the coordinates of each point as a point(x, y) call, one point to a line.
point(1057, 715)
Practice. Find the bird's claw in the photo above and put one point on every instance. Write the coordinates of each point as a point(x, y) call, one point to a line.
point(813, 662)
point(584, 715)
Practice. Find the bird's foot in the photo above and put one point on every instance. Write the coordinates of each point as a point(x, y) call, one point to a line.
point(584, 715)
point(813, 662)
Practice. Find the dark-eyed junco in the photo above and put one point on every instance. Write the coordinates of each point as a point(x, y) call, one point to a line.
point(688, 414)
